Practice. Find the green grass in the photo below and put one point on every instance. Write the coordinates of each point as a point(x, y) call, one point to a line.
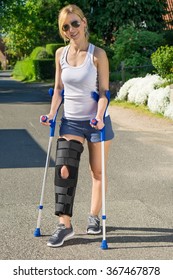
point(138, 108)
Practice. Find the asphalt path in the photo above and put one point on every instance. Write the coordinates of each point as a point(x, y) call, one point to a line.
point(139, 202)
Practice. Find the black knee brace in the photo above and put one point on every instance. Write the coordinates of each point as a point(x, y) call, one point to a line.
point(68, 154)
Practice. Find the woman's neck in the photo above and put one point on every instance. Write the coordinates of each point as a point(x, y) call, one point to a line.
point(81, 46)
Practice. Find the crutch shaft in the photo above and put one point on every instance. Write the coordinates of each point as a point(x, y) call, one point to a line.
point(52, 131)
point(103, 189)
point(44, 179)
point(37, 230)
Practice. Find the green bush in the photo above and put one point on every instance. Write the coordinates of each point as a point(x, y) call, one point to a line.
point(51, 48)
point(39, 53)
point(162, 60)
point(131, 42)
point(24, 70)
point(44, 68)
point(168, 36)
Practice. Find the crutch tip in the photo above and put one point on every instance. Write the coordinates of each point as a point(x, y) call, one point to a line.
point(104, 245)
point(37, 232)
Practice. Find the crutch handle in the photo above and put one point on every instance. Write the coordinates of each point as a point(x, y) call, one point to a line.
point(43, 119)
point(102, 131)
point(52, 124)
point(93, 121)
point(50, 91)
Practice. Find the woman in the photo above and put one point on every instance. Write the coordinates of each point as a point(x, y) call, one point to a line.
point(81, 68)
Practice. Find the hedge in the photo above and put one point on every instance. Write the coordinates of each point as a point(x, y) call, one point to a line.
point(44, 68)
point(24, 70)
point(51, 49)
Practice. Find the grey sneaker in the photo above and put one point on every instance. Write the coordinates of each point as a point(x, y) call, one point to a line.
point(60, 235)
point(93, 225)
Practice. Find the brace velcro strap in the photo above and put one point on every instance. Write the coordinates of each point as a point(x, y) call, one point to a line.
point(62, 208)
point(59, 208)
point(67, 153)
point(71, 144)
point(61, 190)
point(67, 161)
point(64, 199)
point(64, 190)
point(65, 183)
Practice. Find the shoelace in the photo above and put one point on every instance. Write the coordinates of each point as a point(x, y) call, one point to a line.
point(57, 231)
point(93, 221)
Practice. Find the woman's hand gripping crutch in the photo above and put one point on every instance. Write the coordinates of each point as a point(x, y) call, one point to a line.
point(52, 122)
point(104, 244)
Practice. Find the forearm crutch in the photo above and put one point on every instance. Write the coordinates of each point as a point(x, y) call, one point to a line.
point(37, 231)
point(104, 244)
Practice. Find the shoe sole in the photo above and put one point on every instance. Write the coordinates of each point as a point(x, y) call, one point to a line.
point(67, 237)
point(93, 232)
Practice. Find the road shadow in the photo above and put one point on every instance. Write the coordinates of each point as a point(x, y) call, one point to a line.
point(19, 150)
point(12, 91)
point(128, 235)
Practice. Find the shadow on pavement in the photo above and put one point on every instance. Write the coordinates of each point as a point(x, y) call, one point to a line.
point(147, 235)
point(19, 150)
point(12, 91)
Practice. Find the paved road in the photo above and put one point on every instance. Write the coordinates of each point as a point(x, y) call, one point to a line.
point(139, 202)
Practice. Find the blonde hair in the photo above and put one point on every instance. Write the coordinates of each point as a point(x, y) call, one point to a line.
point(69, 9)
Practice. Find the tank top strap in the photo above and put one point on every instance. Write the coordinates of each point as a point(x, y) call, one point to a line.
point(91, 52)
point(64, 54)
point(91, 49)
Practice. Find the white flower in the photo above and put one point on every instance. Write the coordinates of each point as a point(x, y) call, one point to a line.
point(124, 90)
point(137, 90)
point(159, 100)
point(146, 91)
point(169, 111)
point(146, 86)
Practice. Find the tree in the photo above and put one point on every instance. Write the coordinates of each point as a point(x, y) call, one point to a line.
point(106, 16)
point(27, 24)
point(134, 46)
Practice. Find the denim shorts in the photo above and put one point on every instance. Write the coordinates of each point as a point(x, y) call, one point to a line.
point(84, 129)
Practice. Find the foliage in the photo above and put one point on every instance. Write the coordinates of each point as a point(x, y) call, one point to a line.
point(134, 47)
point(24, 70)
point(38, 52)
point(37, 66)
point(168, 36)
point(51, 48)
point(162, 60)
point(44, 68)
point(34, 69)
point(26, 24)
point(147, 14)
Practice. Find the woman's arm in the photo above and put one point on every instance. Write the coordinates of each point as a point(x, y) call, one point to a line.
point(57, 97)
point(102, 64)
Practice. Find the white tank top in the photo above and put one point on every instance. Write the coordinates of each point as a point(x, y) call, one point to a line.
point(79, 83)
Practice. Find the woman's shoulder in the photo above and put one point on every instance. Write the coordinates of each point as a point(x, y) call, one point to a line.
point(99, 53)
point(60, 51)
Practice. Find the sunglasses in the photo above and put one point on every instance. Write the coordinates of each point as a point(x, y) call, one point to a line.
point(74, 24)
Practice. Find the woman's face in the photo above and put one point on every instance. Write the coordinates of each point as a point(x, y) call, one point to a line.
point(74, 27)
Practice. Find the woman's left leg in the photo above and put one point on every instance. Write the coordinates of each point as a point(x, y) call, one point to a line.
point(96, 174)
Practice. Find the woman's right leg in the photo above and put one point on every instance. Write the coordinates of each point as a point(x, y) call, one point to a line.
point(65, 219)
point(67, 163)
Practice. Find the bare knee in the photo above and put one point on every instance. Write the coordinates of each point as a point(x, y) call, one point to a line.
point(96, 175)
point(64, 172)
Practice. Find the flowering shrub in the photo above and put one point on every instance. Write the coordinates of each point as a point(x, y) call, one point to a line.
point(158, 100)
point(169, 111)
point(147, 91)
